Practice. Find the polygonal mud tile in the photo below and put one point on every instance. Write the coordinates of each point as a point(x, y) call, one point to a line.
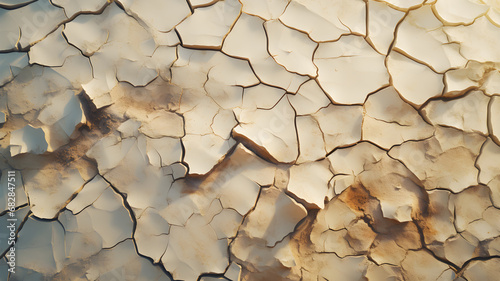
point(415, 91)
point(208, 26)
point(343, 62)
point(324, 22)
point(388, 120)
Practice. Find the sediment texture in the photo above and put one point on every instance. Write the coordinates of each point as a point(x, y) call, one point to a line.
point(252, 140)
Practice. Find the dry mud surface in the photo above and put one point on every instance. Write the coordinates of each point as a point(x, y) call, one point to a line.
point(312, 140)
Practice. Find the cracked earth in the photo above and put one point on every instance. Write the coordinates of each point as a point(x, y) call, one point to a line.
point(311, 140)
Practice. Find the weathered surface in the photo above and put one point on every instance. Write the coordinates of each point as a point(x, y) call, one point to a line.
point(250, 140)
